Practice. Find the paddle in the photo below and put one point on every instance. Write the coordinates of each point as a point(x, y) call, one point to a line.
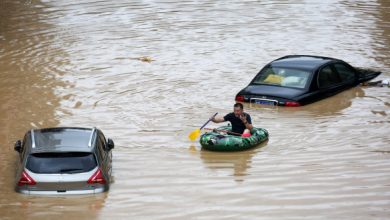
point(195, 134)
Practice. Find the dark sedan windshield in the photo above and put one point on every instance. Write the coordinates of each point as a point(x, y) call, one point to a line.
point(285, 77)
point(70, 162)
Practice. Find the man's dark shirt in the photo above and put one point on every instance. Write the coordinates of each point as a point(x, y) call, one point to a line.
point(237, 125)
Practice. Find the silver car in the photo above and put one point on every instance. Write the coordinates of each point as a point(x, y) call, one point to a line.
point(64, 160)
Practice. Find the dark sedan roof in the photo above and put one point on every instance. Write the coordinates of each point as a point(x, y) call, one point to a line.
point(305, 62)
point(62, 139)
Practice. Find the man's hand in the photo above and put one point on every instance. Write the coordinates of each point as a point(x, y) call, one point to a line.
point(243, 118)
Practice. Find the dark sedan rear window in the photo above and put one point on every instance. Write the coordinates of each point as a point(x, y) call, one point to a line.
point(285, 77)
point(70, 162)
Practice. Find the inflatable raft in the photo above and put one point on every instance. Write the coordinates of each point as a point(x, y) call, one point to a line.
point(216, 141)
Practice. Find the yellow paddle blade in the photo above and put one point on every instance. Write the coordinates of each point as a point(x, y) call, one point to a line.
point(194, 135)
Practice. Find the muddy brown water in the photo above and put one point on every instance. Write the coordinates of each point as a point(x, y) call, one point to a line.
point(75, 63)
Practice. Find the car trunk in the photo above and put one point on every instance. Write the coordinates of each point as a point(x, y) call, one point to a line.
point(61, 182)
point(271, 91)
point(61, 172)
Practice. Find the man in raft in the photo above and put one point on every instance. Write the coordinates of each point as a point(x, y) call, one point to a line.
point(241, 121)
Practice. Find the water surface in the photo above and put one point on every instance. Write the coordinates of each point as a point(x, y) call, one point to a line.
point(77, 64)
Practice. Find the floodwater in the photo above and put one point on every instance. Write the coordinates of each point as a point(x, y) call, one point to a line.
point(77, 63)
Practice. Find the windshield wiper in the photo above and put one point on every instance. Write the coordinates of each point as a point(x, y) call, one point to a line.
point(70, 170)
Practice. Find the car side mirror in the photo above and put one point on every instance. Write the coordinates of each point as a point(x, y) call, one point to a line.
point(110, 144)
point(18, 146)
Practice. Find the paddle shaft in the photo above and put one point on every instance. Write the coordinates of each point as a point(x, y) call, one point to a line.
point(208, 121)
point(229, 132)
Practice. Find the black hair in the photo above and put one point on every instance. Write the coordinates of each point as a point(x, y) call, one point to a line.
point(239, 105)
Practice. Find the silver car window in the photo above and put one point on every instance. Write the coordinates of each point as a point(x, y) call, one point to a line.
point(53, 138)
point(55, 163)
point(26, 145)
point(100, 147)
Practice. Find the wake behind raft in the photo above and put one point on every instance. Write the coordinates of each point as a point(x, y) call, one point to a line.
point(215, 141)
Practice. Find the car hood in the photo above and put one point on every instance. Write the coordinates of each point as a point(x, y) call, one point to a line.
point(275, 91)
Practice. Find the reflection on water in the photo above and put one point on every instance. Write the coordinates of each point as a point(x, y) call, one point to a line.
point(239, 162)
point(80, 64)
point(73, 207)
point(321, 108)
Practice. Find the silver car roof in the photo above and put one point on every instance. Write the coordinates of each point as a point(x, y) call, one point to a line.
point(62, 139)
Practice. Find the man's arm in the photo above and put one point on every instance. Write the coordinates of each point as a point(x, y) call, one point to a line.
point(218, 119)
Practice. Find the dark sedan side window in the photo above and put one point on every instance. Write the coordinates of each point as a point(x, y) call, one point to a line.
point(327, 77)
point(346, 73)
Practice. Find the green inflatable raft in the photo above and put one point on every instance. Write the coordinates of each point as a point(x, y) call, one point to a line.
point(216, 141)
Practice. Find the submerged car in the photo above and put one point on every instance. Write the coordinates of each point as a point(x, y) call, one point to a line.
point(64, 160)
point(297, 80)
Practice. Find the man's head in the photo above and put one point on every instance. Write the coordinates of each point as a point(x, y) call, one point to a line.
point(238, 109)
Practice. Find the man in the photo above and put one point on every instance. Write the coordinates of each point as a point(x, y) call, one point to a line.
point(241, 121)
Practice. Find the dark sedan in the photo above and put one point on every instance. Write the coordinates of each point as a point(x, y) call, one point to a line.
point(297, 80)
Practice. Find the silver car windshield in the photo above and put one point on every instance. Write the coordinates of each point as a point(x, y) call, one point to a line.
point(285, 77)
point(62, 137)
point(56, 163)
